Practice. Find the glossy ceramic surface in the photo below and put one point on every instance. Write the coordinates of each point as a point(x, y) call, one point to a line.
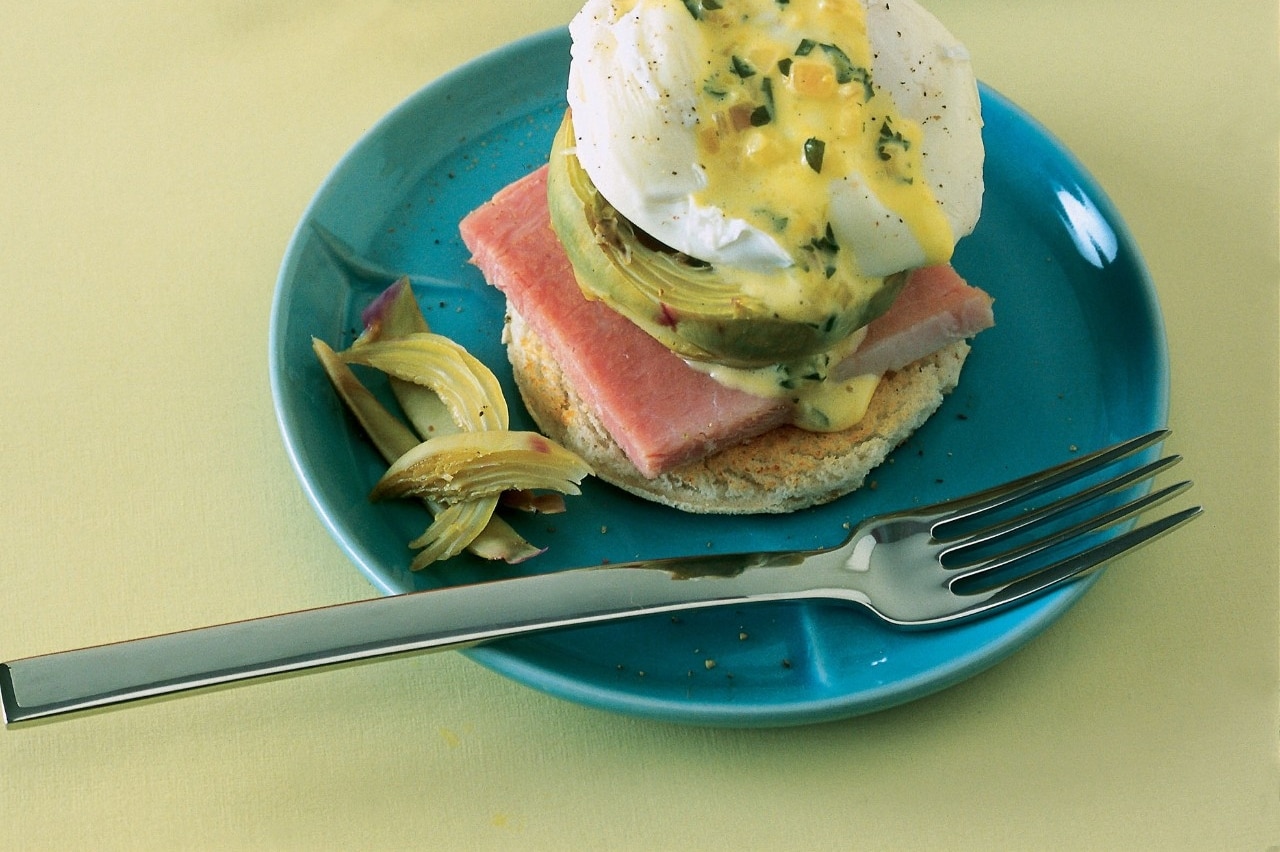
point(1077, 360)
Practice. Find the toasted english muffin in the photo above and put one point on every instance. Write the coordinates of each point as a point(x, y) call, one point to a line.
point(781, 471)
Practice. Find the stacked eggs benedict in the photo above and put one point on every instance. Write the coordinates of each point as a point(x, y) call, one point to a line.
point(752, 184)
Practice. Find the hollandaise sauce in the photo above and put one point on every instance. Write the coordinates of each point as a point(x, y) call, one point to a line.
point(787, 111)
point(820, 403)
point(787, 107)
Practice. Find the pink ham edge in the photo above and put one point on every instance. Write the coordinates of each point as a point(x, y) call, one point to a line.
point(935, 308)
point(662, 412)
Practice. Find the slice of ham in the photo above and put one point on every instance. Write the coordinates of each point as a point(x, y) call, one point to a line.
point(662, 412)
point(935, 308)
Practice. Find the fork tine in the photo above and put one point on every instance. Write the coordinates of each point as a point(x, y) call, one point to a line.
point(1080, 564)
point(1047, 480)
point(1039, 515)
point(1110, 517)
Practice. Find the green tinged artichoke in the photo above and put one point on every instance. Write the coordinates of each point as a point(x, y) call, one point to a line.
point(735, 317)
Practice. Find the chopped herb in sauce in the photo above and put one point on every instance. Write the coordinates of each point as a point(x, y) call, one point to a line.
point(845, 70)
point(889, 144)
point(840, 61)
point(825, 248)
point(890, 139)
point(763, 114)
point(698, 8)
point(814, 149)
point(741, 67)
point(776, 220)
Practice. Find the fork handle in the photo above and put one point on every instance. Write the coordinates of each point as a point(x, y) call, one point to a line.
point(456, 617)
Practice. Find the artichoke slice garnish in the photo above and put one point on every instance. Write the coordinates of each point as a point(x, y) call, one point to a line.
point(482, 464)
point(390, 437)
point(395, 314)
point(469, 391)
point(450, 396)
point(735, 317)
point(455, 527)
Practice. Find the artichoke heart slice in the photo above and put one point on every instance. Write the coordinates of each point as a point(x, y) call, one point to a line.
point(468, 389)
point(454, 528)
point(471, 465)
point(395, 314)
point(471, 525)
point(730, 316)
point(390, 437)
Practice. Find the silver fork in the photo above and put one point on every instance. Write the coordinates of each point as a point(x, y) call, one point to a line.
point(922, 568)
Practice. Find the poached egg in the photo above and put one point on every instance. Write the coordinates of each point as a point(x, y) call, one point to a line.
point(765, 134)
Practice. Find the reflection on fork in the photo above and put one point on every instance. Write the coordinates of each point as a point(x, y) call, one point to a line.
point(965, 557)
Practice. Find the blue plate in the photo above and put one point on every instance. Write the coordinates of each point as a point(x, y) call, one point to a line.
point(1077, 360)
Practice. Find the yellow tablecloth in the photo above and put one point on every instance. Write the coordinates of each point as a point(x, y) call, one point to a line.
point(156, 157)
